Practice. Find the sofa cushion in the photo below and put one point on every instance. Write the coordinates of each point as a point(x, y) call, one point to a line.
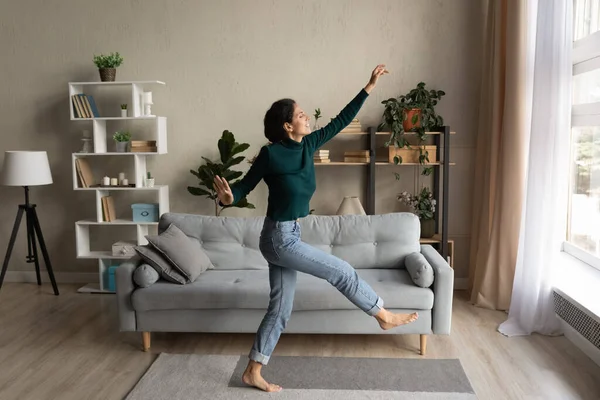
point(183, 253)
point(144, 275)
point(364, 241)
point(156, 260)
point(419, 269)
point(249, 289)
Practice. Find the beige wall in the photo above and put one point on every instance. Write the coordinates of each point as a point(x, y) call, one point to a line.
point(224, 63)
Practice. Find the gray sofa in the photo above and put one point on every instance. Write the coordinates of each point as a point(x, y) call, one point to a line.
point(233, 297)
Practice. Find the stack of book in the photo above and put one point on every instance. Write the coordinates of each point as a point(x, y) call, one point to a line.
point(84, 106)
point(143, 146)
point(353, 127)
point(321, 156)
point(362, 156)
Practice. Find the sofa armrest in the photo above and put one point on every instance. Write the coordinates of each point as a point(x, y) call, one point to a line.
point(443, 288)
point(124, 288)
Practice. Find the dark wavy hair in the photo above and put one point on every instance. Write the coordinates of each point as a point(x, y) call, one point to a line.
point(281, 111)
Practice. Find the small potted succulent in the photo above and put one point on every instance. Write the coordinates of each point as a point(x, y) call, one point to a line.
point(423, 205)
point(123, 110)
point(122, 140)
point(149, 182)
point(107, 65)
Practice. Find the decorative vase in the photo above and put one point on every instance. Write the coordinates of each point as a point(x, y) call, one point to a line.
point(407, 123)
point(122, 147)
point(427, 228)
point(123, 113)
point(107, 74)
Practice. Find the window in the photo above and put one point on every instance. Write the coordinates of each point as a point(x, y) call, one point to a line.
point(583, 234)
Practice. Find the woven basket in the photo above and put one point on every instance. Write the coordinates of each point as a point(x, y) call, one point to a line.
point(107, 74)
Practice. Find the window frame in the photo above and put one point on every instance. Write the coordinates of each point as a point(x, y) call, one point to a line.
point(586, 58)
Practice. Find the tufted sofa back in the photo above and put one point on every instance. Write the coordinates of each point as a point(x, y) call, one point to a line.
point(364, 241)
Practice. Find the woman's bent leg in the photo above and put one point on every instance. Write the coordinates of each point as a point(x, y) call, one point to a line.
point(310, 260)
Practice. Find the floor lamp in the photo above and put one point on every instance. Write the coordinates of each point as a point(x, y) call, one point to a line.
point(27, 168)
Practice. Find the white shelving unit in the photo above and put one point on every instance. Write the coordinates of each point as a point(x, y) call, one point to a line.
point(157, 131)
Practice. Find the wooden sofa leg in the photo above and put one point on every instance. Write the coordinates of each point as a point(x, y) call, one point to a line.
point(146, 340)
point(423, 344)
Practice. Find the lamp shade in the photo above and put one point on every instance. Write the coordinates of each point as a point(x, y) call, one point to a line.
point(351, 205)
point(25, 168)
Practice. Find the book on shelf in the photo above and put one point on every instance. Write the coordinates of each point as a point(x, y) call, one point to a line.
point(84, 173)
point(357, 159)
point(361, 153)
point(324, 161)
point(142, 143)
point(353, 127)
point(143, 146)
point(146, 149)
point(108, 209)
point(84, 106)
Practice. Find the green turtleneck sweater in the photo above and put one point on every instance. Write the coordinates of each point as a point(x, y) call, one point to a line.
point(288, 169)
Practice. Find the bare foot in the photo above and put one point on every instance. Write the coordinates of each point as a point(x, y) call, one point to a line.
point(253, 377)
point(388, 320)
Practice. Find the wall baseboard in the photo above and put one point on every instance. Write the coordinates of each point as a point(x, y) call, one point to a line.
point(61, 277)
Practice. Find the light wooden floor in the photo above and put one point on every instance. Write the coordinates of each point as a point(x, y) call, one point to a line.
point(68, 347)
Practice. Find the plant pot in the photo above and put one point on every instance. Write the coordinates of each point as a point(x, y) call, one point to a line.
point(122, 147)
point(427, 228)
point(123, 113)
point(107, 74)
point(408, 121)
point(149, 182)
point(411, 156)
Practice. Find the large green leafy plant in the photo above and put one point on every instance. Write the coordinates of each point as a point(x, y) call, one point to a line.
point(418, 104)
point(229, 151)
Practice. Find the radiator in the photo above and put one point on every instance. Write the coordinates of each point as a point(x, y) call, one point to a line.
point(580, 325)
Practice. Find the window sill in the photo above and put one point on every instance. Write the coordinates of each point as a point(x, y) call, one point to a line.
point(579, 281)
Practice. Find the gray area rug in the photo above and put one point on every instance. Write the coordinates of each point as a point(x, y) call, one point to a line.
point(194, 376)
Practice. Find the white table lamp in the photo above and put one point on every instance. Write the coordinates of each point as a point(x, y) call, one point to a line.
point(27, 168)
point(351, 206)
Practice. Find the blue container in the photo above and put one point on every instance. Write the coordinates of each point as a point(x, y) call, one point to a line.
point(111, 278)
point(145, 212)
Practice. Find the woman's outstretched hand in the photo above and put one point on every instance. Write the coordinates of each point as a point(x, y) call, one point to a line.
point(377, 72)
point(223, 190)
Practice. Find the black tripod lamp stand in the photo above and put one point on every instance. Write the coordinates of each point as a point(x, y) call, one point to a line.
point(27, 168)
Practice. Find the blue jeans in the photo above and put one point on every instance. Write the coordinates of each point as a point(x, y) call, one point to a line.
point(286, 254)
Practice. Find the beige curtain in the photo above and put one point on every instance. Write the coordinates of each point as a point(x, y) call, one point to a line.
point(501, 155)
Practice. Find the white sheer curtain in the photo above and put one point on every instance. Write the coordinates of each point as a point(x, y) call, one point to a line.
point(545, 201)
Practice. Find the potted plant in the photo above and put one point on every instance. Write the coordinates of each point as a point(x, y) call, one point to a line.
point(123, 110)
point(228, 149)
point(317, 115)
point(107, 65)
point(149, 181)
point(423, 205)
point(411, 112)
point(122, 139)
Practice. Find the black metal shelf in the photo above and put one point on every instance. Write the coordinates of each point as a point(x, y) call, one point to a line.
point(440, 180)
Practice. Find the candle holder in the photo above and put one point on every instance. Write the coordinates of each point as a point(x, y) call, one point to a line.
point(147, 104)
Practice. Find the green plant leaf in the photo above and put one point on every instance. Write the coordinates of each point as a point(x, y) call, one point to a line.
point(233, 161)
point(415, 118)
point(239, 148)
point(196, 191)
